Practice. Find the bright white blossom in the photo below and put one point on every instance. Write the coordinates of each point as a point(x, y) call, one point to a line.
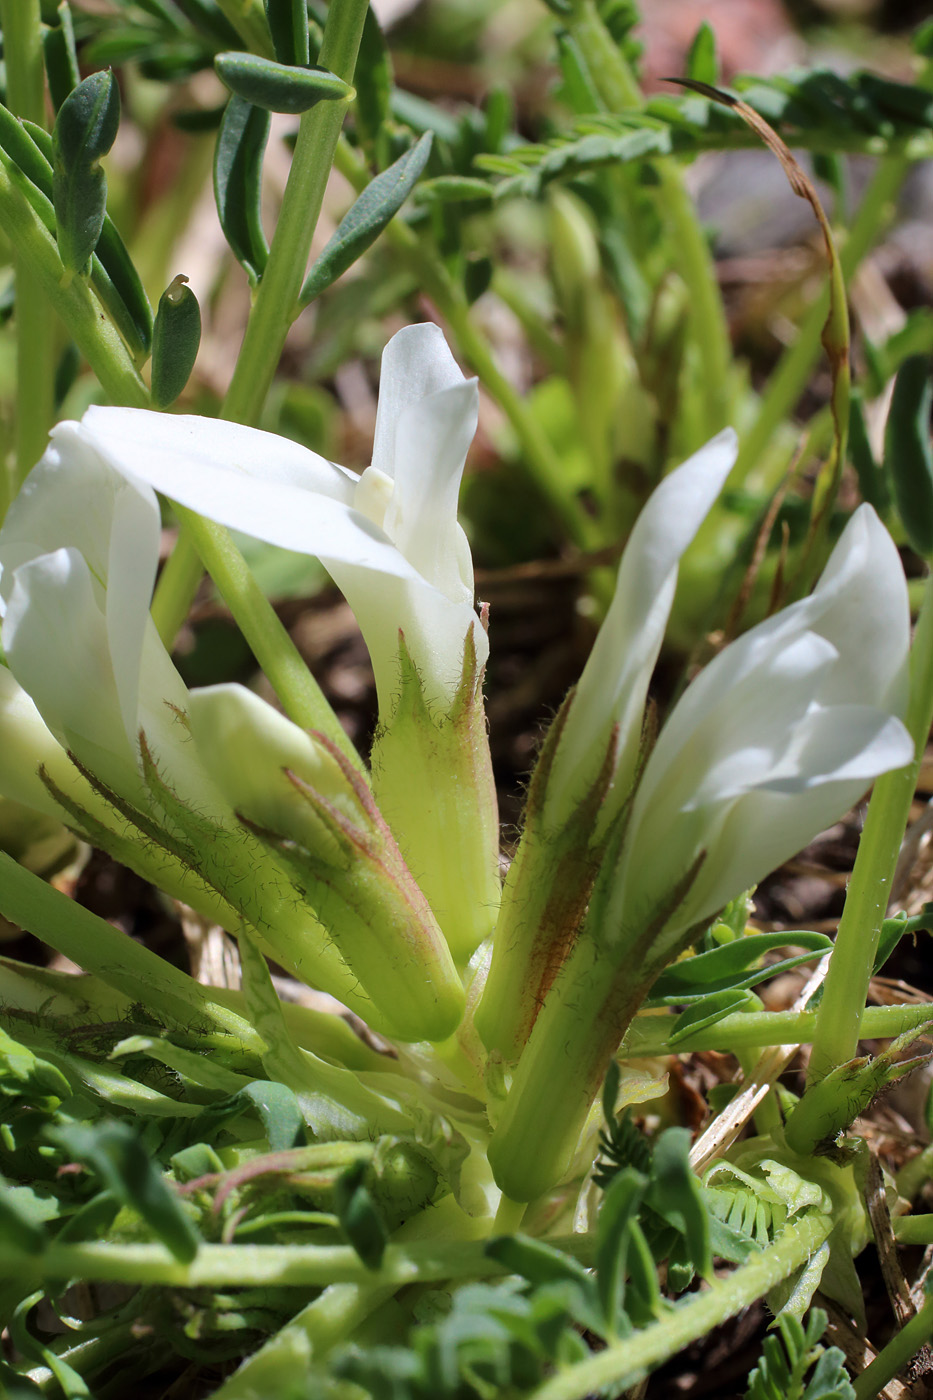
point(776, 738)
point(390, 537)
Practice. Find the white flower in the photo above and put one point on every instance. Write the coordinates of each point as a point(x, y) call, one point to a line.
point(78, 555)
point(390, 537)
point(773, 741)
point(608, 704)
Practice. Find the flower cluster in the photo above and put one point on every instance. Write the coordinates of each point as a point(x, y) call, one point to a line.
point(381, 892)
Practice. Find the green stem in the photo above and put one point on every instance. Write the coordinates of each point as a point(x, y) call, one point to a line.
point(789, 380)
point(914, 1229)
point(619, 89)
point(894, 1357)
point(276, 303)
point(758, 1029)
point(176, 588)
point(253, 1265)
point(624, 1362)
point(35, 380)
point(94, 334)
point(561, 1068)
point(301, 696)
point(249, 20)
point(850, 964)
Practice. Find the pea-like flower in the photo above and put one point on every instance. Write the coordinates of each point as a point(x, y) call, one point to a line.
point(390, 538)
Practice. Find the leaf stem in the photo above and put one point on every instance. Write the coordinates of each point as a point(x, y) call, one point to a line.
point(624, 1362)
point(757, 1029)
point(839, 1016)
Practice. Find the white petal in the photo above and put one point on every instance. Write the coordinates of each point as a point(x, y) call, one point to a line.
point(278, 511)
point(126, 434)
point(614, 684)
point(415, 364)
point(69, 499)
point(434, 435)
point(766, 827)
point(861, 605)
point(245, 744)
point(55, 639)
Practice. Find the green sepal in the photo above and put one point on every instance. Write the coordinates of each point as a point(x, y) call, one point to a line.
point(356, 880)
point(238, 156)
point(369, 214)
point(175, 340)
point(279, 87)
point(288, 25)
point(85, 129)
point(60, 55)
point(432, 776)
point(908, 459)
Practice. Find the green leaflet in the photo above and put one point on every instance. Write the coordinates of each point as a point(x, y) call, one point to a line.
point(117, 1156)
point(85, 130)
point(908, 459)
point(784, 1363)
point(366, 218)
point(279, 87)
point(175, 340)
point(241, 145)
point(702, 63)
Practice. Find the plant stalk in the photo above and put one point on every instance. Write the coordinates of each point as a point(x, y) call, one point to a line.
point(35, 346)
point(850, 965)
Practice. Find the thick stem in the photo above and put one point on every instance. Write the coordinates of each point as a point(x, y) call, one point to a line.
point(626, 1361)
point(850, 965)
point(22, 50)
point(561, 1069)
